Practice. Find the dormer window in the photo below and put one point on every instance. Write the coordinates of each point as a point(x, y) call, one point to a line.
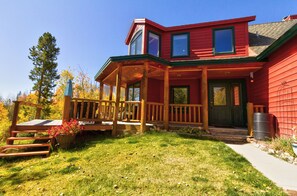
point(223, 41)
point(153, 44)
point(136, 44)
point(180, 45)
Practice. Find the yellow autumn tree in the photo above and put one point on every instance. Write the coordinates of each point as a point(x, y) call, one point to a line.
point(4, 122)
point(27, 113)
point(58, 99)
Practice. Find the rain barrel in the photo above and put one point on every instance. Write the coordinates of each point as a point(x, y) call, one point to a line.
point(261, 126)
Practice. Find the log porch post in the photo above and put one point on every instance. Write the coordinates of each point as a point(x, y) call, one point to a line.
point(166, 99)
point(67, 101)
point(144, 82)
point(110, 92)
point(117, 101)
point(250, 118)
point(204, 98)
point(101, 89)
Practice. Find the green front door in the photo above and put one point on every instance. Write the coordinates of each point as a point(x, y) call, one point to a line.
point(227, 100)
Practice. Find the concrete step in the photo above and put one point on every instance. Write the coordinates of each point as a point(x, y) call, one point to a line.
point(23, 154)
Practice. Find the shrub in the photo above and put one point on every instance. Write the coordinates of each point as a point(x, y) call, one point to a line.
point(67, 128)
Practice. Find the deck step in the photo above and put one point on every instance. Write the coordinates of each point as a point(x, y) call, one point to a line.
point(30, 131)
point(26, 145)
point(22, 154)
point(30, 138)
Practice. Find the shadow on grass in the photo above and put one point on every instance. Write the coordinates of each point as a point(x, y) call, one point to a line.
point(18, 178)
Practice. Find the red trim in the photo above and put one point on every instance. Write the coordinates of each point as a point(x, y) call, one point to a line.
point(185, 27)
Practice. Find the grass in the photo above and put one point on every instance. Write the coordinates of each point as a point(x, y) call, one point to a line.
point(149, 164)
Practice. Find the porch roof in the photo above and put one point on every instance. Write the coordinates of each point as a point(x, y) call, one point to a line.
point(112, 62)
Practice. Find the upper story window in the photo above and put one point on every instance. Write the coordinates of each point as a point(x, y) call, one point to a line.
point(136, 44)
point(223, 41)
point(153, 44)
point(180, 45)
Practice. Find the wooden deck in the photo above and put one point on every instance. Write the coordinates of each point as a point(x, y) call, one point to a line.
point(38, 124)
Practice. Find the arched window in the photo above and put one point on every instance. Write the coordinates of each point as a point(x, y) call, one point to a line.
point(136, 44)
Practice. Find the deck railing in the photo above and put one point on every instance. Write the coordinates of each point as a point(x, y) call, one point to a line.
point(91, 109)
point(155, 112)
point(259, 108)
point(185, 113)
point(129, 110)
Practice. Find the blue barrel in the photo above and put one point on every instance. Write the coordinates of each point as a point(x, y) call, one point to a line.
point(261, 126)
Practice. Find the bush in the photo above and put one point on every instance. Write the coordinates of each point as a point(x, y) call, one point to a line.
point(282, 144)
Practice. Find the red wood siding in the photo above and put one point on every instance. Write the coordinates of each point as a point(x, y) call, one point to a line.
point(276, 87)
point(156, 87)
point(201, 42)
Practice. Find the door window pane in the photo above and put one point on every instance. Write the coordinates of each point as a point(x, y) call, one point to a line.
point(219, 96)
point(236, 95)
point(153, 44)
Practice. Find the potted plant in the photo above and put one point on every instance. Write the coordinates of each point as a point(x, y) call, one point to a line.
point(65, 133)
point(294, 143)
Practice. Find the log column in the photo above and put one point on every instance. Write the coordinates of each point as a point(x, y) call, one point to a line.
point(144, 82)
point(101, 91)
point(110, 92)
point(117, 101)
point(166, 99)
point(250, 118)
point(204, 98)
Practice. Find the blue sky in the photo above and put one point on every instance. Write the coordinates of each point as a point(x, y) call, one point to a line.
point(89, 31)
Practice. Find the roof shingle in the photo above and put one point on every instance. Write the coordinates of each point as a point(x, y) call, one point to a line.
point(263, 35)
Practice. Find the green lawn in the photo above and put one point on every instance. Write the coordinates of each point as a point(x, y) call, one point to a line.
point(149, 164)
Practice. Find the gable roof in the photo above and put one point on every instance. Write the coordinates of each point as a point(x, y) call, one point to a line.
point(262, 36)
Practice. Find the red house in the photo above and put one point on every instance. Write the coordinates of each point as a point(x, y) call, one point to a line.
point(206, 73)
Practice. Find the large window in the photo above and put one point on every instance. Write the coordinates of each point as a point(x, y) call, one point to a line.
point(223, 41)
point(136, 44)
point(153, 44)
point(180, 45)
point(180, 94)
point(134, 92)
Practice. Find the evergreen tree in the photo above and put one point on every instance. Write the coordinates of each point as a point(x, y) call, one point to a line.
point(44, 74)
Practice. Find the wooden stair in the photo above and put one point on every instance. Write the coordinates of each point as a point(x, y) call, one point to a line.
point(32, 149)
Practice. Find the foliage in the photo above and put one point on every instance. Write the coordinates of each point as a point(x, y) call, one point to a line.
point(58, 99)
point(148, 164)
point(4, 122)
point(27, 113)
point(282, 144)
point(67, 128)
point(44, 74)
point(84, 88)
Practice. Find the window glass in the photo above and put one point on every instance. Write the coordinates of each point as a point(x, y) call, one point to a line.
point(153, 44)
point(223, 41)
point(219, 96)
point(134, 92)
point(180, 45)
point(136, 44)
point(236, 95)
point(180, 95)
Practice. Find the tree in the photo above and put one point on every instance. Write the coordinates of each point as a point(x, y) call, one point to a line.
point(44, 74)
point(4, 121)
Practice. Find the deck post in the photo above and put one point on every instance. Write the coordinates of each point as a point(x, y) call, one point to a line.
point(15, 116)
point(144, 82)
point(204, 98)
point(117, 101)
point(67, 101)
point(166, 99)
point(250, 118)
